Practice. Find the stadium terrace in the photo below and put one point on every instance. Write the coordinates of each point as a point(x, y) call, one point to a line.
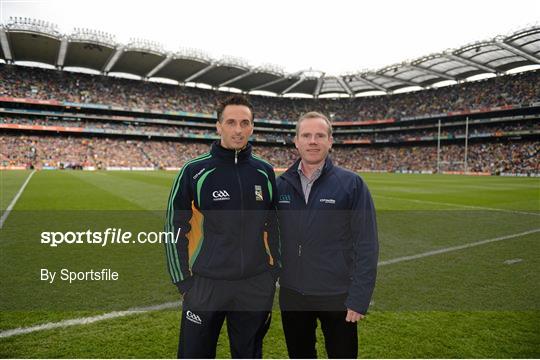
point(38, 41)
point(53, 119)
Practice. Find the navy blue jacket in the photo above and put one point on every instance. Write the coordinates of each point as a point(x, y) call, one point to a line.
point(224, 203)
point(329, 245)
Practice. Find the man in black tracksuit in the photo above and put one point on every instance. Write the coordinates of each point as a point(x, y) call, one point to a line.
point(329, 246)
point(225, 262)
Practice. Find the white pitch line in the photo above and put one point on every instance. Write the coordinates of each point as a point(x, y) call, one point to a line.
point(89, 320)
point(455, 248)
point(170, 305)
point(457, 205)
point(14, 201)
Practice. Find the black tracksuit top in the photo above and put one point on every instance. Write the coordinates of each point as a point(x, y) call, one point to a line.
point(224, 205)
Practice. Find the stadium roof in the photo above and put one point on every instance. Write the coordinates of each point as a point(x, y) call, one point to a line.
point(24, 39)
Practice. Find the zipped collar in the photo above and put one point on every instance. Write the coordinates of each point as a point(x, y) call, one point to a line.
point(232, 156)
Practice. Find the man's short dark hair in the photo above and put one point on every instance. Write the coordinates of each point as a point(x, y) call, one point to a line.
point(234, 100)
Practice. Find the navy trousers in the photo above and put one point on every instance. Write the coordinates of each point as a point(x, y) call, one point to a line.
point(299, 315)
point(246, 305)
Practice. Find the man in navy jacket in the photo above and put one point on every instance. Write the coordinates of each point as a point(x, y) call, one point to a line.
point(223, 205)
point(329, 246)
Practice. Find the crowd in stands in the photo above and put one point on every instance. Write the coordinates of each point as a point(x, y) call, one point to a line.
point(103, 152)
point(171, 130)
point(400, 135)
point(56, 151)
point(497, 157)
point(99, 152)
point(446, 132)
point(36, 83)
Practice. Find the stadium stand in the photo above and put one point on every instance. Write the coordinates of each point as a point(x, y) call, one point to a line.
point(384, 133)
point(35, 83)
point(64, 119)
point(96, 152)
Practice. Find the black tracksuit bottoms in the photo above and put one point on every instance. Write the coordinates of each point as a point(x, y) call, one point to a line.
point(299, 314)
point(246, 304)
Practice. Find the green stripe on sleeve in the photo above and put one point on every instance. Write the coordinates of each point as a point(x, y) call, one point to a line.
point(268, 183)
point(200, 184)
point(261, 159)
point(175, 271)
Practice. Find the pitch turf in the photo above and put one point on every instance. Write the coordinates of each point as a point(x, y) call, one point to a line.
point(479, 301)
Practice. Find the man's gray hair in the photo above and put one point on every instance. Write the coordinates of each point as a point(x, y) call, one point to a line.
point(314, 115)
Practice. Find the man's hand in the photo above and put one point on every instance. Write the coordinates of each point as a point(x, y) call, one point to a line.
point(353, 316)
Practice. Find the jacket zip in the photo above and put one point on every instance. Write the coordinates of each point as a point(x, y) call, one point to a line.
point(298, 270)
point(306, 207)
point(241, 212)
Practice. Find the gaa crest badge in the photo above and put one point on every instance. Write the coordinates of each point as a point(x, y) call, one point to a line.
point(258, 193)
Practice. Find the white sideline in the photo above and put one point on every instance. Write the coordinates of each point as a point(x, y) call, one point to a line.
point(454, 248)
point(88, 320)
point(14, 201)
point(170, 305)
point(457, 205)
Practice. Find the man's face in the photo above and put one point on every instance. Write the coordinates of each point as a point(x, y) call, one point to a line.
point(312, 141)
point(235, 126)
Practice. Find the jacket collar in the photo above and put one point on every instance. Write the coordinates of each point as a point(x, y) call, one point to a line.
point(229, 155)
point(292, 176)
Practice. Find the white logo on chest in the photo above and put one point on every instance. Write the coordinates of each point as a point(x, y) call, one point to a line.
point(328, 201)
point(220, 195)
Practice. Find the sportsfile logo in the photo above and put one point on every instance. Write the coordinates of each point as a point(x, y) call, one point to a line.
point(220, 195)
point(193, 317)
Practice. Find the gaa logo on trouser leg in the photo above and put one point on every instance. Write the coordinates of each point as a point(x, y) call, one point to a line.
point(193, 317)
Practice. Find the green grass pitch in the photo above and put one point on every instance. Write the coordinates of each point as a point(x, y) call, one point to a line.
point(479, 301)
